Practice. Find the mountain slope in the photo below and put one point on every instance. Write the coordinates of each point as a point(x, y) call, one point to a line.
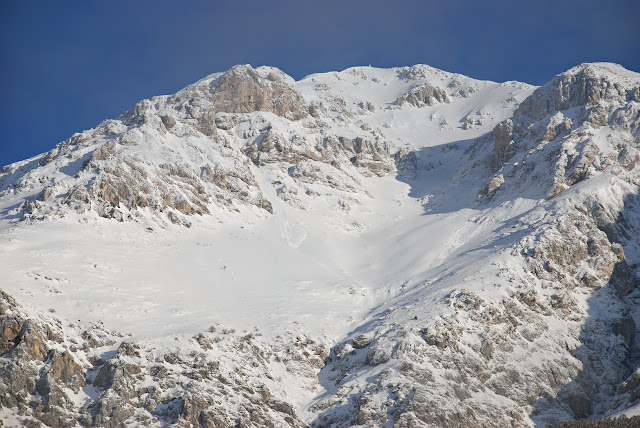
point(399, 247)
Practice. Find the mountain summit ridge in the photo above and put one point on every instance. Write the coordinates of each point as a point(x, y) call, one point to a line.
point(371, 247)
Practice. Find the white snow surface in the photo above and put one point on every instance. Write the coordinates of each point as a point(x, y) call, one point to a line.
point(389, 251)
point(314, 270)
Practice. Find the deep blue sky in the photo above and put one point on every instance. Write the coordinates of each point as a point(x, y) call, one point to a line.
point(66, 66)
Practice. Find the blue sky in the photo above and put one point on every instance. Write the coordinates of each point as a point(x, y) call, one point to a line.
point(67, 65)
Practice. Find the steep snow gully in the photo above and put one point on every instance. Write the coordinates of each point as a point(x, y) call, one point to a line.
point(399, 247)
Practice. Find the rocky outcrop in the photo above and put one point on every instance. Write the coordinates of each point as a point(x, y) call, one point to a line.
point(369, 156)
point(372, 156)
point(627, 393)
point(124, 185)
point(520, 349)
point(584, 86)
point(115, 182)
point(488, 190)
point(198, 167)
point(545, 333)
point(21, 337)
point(406, 163)
point(36, 377)
point(214, 379)
point(540, 350)
point(423, 95)
point(504, 146)
point(575, 255)
point(243, 90)
point(221, 382)
point(319, 164)
point(619, 422)
point(555, 129)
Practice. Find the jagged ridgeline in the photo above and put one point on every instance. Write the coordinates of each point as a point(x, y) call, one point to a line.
point(494, 228)
point(186, 154)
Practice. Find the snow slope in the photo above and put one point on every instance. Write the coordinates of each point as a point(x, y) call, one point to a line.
point(296, 262)
point(440, 250)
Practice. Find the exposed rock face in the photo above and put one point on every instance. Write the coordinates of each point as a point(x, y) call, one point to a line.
point(20, 337)
point(243, 90)
point(406, 163)
point(188, 389)
point(619, 422)
point(198, 167)
point(628, 392)
point(114, 181)
point(129, 184)
point(546, 332)
point(445, 372)
point(584, 86)
point(221, 381)
point(35, 377)
point(504, 145)
point(414, 372)
point(489, 189)
point(319, 160)
point(424, 95)
point(556, 129)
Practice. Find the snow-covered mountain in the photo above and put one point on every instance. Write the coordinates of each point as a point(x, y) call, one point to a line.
point(374, 247)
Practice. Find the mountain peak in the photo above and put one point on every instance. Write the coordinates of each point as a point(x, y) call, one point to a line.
point(396, 247)
point(583, 86)
point(608, 70)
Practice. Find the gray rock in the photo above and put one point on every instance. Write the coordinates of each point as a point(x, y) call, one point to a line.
point(423, 95)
